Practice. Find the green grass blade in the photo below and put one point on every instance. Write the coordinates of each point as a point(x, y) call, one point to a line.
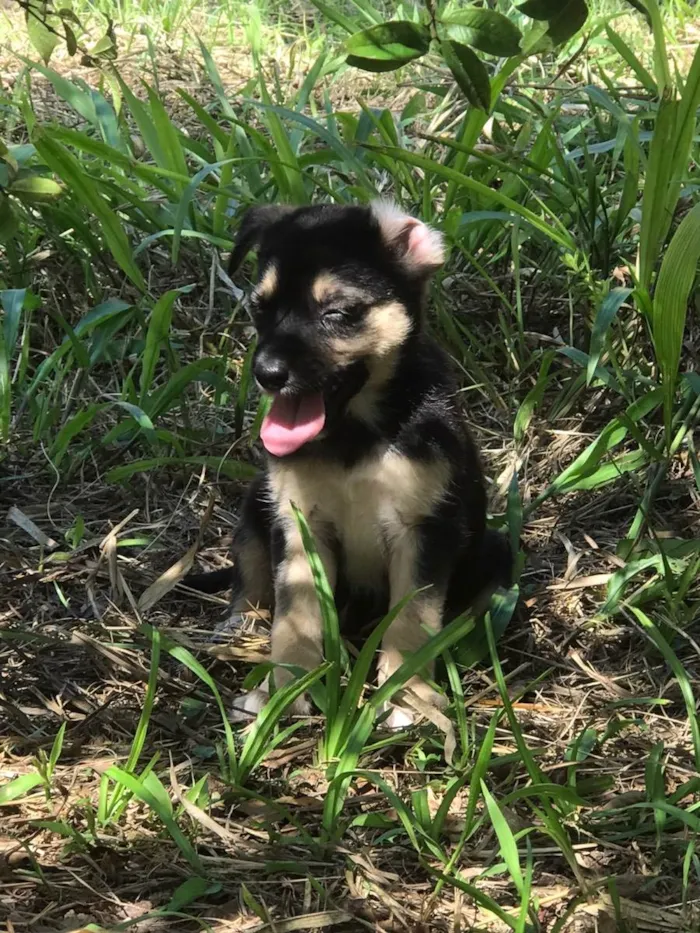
point(670, 305)
point(12, 302)
point(506, 841)
point(645, 78)
point(552, 228)
point(258, 742)
point(67, 167)
point(184, 656)
point(679, 673)
point(159, 323)
point(139, 739)
point(19, 787)
point(127, 781)
point(340, 726)
point(607, 312)
point(234, 469)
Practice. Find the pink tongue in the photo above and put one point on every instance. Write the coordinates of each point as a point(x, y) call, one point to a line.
point(291, 423)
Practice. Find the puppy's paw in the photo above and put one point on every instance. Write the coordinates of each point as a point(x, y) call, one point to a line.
point(247, 706)
point(399, 718)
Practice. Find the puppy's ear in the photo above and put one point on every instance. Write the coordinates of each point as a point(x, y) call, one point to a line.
point(417, 246)
point(256, 221)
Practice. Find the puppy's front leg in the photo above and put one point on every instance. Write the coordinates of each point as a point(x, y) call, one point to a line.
point(415, 625)
point(297, 628)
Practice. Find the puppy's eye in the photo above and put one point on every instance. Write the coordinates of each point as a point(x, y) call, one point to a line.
point(334, 315)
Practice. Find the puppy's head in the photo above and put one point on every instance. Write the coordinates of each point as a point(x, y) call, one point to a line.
point(339, 293)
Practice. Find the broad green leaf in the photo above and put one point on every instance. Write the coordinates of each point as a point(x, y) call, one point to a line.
point(104, 47)
point(670, 305)
point(286, 171)
point(35, 188)
point(73, 426)
point(233, 469)
point(533, 398)
point(582, 746)
point(9, 227)
point(88, 102)
point(138, 414)
point(204, 370)
point(215, 78)
point(585, 472)
point(469, 73)
point(387, 46)
point(474, 647)
point(486, 30)
point(101, 313)
point(155, 786)
point(656, 199)
point(667, 168)
point(19, 787)
point(190, 891)
point(619, 580)
point(168, 135)
point(43, 38)
point(565, 17)
point(12, 302)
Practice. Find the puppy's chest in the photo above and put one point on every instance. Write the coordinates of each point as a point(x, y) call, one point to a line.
point(365, 509)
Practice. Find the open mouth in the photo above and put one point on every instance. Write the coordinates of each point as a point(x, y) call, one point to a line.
point(291, 422)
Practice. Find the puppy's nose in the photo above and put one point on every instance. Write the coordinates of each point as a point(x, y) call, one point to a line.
point(271, 372)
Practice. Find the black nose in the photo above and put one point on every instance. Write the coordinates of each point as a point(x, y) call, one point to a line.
point(271, 372)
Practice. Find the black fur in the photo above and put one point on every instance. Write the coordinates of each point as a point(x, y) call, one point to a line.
point(415, 410)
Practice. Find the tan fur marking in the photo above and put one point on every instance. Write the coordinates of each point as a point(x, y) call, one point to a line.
point(374, 508)
point(253, 562)
point(385, 328)
point(297, 632)
point(370, 506)
point(419, 620)
point(326, 287)
point(267, 286)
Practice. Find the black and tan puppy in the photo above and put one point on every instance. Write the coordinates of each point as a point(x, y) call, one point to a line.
point(364, 435)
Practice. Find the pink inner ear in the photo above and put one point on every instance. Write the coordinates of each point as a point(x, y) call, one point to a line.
point(424, 247)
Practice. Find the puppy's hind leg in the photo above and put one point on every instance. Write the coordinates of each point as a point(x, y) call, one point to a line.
point(251, 573)
point(478, 574)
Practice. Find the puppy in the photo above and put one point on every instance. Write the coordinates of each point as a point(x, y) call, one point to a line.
point(364, 434)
